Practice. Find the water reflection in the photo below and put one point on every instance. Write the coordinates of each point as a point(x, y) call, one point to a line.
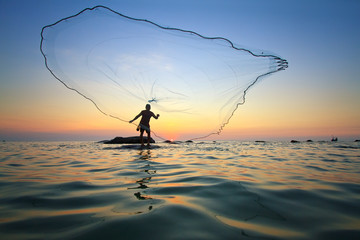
point(144, 155)
point(141, 197)
point(141, 183)
point(262, 191)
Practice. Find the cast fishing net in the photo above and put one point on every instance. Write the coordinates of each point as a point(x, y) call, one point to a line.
point(120, 64)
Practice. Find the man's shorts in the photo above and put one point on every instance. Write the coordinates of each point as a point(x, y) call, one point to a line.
point(144, 128)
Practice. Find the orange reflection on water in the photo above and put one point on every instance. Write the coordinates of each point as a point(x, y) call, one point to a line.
point(181, 200)
point(77, 211)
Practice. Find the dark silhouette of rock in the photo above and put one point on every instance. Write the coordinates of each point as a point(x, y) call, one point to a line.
point(127, 140)
point(260, 141)
point(309, 140)
point(294, 141)
point(172, 142)
point(189, 141)
point(357, 140)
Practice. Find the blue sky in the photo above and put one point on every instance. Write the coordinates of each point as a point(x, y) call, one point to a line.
point(319, 39)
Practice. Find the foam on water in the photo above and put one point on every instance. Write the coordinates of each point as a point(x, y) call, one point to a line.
point(222, 190)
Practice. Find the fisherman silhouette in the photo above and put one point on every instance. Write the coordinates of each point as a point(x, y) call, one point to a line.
point(144, 124)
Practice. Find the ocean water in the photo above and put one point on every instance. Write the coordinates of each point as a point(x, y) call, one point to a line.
point(202, 190)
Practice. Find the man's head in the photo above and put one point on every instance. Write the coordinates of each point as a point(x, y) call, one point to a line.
point(147, 107)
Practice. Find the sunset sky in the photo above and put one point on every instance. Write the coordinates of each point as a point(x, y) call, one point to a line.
point(315, 98)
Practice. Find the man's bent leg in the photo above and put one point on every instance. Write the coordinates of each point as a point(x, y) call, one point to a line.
point(148, 139)
point(141, 138)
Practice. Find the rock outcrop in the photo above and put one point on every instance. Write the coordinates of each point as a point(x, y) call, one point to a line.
point(127, 140)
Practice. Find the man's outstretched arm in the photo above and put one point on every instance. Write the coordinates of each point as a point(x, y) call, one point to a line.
point(135, 118)
point(157, 116)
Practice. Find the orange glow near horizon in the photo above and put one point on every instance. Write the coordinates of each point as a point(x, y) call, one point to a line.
point(256, 119)
point(239, 128)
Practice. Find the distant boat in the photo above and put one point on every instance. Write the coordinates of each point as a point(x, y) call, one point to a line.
point(334, 139)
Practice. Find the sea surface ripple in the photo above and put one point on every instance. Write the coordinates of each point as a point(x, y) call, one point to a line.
point(201, 190)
